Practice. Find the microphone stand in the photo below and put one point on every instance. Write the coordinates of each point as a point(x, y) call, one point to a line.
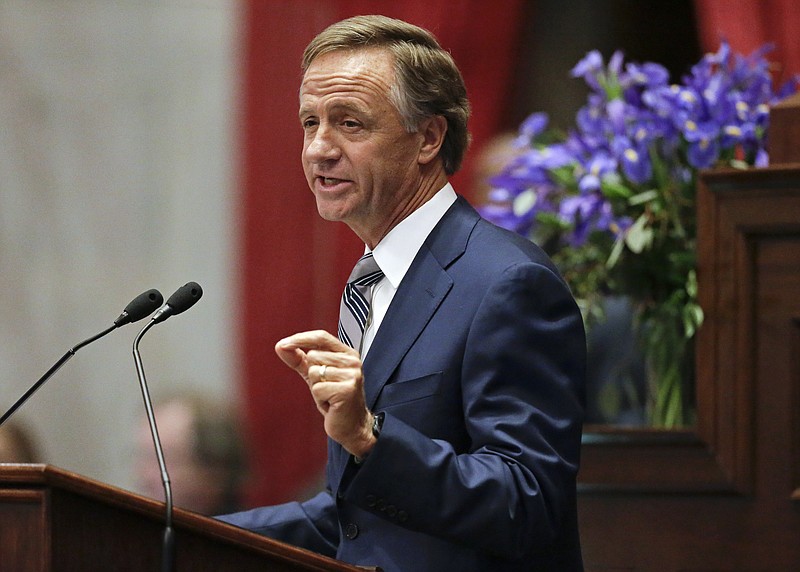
point(168, 543)
point(49, 373)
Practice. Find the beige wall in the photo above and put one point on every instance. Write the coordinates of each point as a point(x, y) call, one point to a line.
point(117, 169)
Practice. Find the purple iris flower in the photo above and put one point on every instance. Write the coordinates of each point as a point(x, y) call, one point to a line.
point(552, 157)
point(636, 132)
point(734, 134)
point(703, 152)
point(578, 211)
point(660, 100)
point(648, 74)
point(532, 127)
point(596, 167)
point(615, 63)
point(588, 68)
point(618, 114)
point(636, 164)
point(788, 88)
point(589, 213)
point(762, 158)
point(590, 118)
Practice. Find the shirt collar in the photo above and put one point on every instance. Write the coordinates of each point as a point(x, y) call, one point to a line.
point(395, 253)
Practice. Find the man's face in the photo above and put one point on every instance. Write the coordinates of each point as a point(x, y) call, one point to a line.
point(359, 160)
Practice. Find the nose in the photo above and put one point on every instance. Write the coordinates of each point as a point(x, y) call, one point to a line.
point(320, 146)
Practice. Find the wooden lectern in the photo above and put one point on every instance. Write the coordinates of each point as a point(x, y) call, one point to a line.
point(52, 520)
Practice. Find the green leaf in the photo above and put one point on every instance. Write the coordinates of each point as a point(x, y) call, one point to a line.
point(612, 188)
point(552, 220)
point(564, 177)
point(692, 319)
point(691, 284)
point(524, 202)
point(616, 251)
point(644, 197)
point(639, 236)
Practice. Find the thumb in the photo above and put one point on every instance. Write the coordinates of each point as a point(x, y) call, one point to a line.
point(292, 356)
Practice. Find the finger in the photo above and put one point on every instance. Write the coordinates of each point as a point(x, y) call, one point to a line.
point(294, 357)
point(314, 340)
point(337, 359)
point(323, 373)
point(327, 373)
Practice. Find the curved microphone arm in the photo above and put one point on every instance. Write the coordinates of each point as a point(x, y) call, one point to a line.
point(169, 535)
point(49, 373)
point(143, 305)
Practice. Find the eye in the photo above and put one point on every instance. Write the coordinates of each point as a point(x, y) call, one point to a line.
point(350, 124)
point(309, 123)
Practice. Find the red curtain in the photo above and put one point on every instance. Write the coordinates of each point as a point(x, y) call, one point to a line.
point(293, 264)
point(748, 24)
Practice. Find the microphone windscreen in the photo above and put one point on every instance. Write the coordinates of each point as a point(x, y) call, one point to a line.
point(140, 307)
point(185, 297)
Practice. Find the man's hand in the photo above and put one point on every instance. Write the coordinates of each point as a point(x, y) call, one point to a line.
point(333, 373)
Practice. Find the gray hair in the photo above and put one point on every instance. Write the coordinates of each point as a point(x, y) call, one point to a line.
point(428, 81)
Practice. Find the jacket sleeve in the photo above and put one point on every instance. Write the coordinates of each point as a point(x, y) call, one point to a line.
point(522, 387)
point(311, 524)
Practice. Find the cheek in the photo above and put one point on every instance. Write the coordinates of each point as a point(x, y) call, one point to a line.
point(308, 168)
point(393, 166)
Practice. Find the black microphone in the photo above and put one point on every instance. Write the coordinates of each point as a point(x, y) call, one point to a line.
point(143, 305)
point(184, 298)
point(140, 307)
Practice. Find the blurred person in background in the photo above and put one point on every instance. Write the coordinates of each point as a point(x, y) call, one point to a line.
point(17, 444)
point(203, 452)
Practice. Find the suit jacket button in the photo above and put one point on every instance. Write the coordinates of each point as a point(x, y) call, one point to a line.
point(351, 531)
point(402, 515)
point(391, 510)
point(371, 499)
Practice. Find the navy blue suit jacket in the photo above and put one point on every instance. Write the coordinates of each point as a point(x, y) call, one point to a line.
point(479, 367)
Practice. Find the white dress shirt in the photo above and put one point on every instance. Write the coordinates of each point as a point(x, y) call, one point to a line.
point(395, 253)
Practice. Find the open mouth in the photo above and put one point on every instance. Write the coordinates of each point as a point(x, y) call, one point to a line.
point(330, 182)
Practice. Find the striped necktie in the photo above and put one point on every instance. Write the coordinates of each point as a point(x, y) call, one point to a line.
point(354, 310)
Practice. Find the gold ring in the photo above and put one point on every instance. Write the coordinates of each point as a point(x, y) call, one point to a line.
point(322, 369)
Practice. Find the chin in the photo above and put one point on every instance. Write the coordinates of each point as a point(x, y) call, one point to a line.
point(330, 211)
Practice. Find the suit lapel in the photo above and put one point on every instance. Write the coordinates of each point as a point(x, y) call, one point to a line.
point(421, 292)
point(416, 300)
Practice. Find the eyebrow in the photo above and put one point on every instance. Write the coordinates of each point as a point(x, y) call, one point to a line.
point(335, 106)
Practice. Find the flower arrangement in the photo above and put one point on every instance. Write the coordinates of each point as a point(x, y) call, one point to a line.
point(613, 199)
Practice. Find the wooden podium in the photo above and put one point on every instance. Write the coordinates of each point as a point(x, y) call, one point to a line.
point(53, 520)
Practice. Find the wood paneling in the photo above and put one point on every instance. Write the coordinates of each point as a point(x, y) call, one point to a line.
point(725, 495)
point(53, 520)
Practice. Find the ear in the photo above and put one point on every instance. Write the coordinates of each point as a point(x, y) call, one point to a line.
point(432, 131)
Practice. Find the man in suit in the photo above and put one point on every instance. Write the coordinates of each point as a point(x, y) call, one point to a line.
point(454, 424)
